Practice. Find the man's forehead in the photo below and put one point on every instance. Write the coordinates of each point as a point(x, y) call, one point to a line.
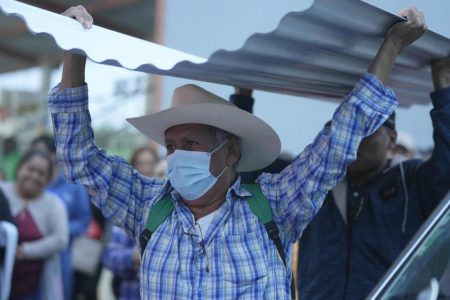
point(188, 129)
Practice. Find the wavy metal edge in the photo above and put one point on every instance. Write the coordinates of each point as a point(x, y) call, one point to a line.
point(410, 78)
point(22, 11)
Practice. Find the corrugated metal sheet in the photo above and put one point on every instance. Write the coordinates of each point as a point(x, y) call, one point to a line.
point(19, 49)
point(319, 53)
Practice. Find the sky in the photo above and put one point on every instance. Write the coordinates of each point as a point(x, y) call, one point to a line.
point(202, 27)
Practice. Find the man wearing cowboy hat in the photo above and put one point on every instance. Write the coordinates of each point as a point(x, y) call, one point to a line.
point(212, 246)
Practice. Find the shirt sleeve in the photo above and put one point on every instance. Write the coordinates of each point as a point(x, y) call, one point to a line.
point(113, 185)
point(118, 256)
point(297, 193)
point(433, 176)
point(82, 214)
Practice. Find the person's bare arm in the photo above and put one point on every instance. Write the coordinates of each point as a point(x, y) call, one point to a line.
point(397, 38)
point(74, 65)
point(440, 70)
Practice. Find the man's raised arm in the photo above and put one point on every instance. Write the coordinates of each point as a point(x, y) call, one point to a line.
point(397, 38)
point(74, 65)
point(303, 185)
point(433, 176)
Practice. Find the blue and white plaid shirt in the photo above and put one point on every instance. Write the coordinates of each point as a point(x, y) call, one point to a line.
point(118, 257)
point(242, 261)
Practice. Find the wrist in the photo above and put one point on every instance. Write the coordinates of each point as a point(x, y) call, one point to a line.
point(74, 60)
point(441, 74)
point(441, 81)
point(384, 60)
point(393, 46)
point(73, 70)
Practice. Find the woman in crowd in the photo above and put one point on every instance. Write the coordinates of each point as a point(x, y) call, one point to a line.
point(43, 232)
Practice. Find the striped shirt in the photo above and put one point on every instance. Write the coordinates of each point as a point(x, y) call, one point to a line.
point(237, 258)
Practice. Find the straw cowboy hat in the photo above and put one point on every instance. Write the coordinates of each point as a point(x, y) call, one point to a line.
point(260, 145)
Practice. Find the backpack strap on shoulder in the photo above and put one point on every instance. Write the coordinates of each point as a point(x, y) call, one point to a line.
point(157, 215)
point(260, 207)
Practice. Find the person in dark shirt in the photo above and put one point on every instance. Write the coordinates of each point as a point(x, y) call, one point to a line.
point(369, 217)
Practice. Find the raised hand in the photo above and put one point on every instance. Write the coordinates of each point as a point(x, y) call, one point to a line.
point(74, 65)
point(405, 32)
point(80, 14)
point(398, 36)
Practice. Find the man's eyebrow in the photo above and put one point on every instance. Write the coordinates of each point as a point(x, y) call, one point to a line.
point(167, 140)
point(191, 136)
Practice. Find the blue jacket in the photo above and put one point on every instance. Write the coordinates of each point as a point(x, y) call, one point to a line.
point(339, 261)
point(76, 200)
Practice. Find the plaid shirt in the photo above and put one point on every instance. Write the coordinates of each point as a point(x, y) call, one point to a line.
point(242, 262)
point(118, 257)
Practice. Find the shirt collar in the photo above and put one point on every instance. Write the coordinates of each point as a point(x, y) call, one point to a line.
point(237, 190)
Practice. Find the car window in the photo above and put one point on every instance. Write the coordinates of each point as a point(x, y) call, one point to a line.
point(422, 270)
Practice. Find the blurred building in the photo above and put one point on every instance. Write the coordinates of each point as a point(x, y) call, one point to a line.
point(24, 115)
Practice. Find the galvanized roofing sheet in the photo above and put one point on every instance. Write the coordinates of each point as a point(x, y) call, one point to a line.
point(20, 49)
point(318, 53)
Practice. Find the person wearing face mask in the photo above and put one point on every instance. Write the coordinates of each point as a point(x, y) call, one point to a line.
point(370, 216)
point(211, 245)
point(42, 223)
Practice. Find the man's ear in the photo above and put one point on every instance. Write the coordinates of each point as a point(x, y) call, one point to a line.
point(234, 152)
point(392, 139)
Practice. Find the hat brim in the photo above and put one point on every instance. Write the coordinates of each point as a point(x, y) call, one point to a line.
point(260, 145)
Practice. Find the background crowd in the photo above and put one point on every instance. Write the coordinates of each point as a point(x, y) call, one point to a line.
point(64, 241)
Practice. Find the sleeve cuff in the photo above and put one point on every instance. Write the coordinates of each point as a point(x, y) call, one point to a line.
point(370, 90)
point(69, 100)
point(440, 98)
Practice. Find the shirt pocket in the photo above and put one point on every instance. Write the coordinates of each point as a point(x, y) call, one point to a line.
point(245, 260)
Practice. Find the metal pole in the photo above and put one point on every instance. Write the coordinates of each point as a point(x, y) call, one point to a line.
point(46, 72)
point(154, 82)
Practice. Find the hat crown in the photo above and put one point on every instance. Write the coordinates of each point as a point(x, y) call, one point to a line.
point(193, 94)
point(190, 104)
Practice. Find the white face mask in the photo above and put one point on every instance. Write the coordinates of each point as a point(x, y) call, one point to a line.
point(188, 172)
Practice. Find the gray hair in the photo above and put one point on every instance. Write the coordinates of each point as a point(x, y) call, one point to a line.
point(222, 136)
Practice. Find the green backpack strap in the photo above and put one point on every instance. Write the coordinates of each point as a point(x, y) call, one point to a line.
point(158, 214)
point(258, 203)
point(260, 207)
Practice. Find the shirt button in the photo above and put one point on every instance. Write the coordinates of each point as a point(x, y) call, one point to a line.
point(355, 194)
